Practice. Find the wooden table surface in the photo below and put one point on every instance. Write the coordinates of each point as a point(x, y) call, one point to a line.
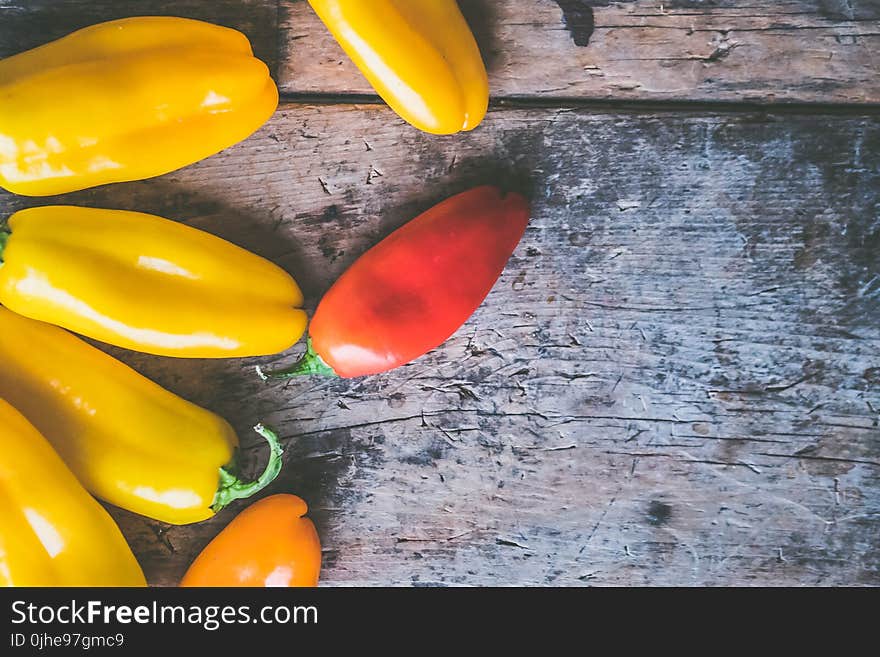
point(677, 379)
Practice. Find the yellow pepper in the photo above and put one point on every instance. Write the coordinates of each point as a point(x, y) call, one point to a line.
point(127, 100)
point(128, 440)
point(419, 55)
point(52, 532)
point(146, 283)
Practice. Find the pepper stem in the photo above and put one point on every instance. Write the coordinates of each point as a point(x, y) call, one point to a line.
point(4, 237)
point(232, 488)
point(310, 363)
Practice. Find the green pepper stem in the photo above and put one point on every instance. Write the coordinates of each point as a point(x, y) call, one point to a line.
point(4, 237)
point(310, 363)
point(232, 488)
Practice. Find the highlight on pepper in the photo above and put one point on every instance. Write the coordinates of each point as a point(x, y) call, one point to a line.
point(419, 55)
point(374, 319)
point(129, 441)
point(146, 283)
point(269, 544)
point(143, 96)
point(53, 533)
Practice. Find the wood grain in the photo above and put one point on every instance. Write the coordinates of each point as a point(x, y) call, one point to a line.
point(809, 51)
point(675, 382)
point(812, 51)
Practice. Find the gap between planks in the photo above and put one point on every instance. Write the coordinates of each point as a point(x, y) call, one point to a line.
point(605, 105)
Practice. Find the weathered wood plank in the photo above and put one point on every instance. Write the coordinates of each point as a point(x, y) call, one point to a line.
point(730, 50)
point(676, 381)
point(26, 24)
point(797, 50)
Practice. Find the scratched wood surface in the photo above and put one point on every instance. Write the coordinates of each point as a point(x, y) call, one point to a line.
point(675, 382)
point(825, 51)
point(708, 50)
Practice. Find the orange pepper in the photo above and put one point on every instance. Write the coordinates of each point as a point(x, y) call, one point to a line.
point(271, 543)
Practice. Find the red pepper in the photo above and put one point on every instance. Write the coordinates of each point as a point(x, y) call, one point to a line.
point(413, 290)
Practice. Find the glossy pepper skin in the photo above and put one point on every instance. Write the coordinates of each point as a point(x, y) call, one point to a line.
point(127, 100)
point(128, 440)
point(271, 543)
point(419, 55)
point(52, 532)
point(413, 290)
point(146, 283)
